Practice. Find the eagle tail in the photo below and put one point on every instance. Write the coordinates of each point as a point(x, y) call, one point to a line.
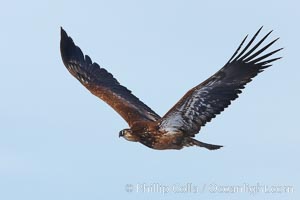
point(193, 142)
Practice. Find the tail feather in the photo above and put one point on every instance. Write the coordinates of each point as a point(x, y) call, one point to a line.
point(193, 142)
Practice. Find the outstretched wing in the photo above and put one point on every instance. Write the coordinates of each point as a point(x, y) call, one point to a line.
point(211, 97)
point(102, 84)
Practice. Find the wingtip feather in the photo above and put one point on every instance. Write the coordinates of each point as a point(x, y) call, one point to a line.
point(63, 33)
point(241, 54)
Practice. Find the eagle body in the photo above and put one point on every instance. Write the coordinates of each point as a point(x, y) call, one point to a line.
point(148, 134)
point(178, 127)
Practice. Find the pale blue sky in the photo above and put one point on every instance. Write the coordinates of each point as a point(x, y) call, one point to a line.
point(57, 141)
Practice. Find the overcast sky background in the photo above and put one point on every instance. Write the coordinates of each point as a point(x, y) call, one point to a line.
point(57, 141)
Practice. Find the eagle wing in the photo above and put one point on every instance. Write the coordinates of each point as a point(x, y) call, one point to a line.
point(203, 102)
point(102, 84)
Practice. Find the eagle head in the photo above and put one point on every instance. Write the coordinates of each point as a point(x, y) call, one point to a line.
point(127, 134)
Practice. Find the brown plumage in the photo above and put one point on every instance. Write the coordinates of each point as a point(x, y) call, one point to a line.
point(177, 128)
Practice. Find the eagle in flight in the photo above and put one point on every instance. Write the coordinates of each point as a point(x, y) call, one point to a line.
point(178, 127)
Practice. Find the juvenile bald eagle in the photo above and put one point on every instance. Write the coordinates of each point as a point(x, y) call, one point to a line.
point(178, 127)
